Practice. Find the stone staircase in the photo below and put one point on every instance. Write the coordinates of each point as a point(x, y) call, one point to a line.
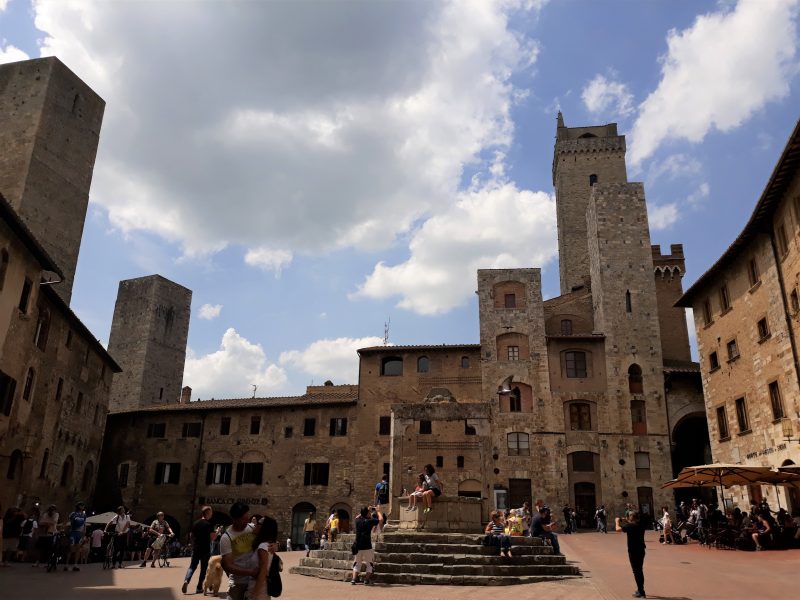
point(426, 558)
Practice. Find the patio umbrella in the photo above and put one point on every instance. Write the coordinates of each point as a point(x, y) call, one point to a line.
point(719, 475)
point(104, 518)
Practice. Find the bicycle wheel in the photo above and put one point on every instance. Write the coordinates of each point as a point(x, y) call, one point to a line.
point(108, 559)
point(163, 557)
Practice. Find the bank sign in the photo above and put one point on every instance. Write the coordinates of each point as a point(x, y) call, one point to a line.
point(222, 500)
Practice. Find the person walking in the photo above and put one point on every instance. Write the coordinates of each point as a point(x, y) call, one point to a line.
point(635, 532)
point(48, 524)
point(119, 526)
point(201, 536)
point(309, 532)
point(238, 558)
point(380, 498)
point(365, 522)
point(602, 518)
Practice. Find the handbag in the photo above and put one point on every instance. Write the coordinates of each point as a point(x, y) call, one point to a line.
point(274, 583)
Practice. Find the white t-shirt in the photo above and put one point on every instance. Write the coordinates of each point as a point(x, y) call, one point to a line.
point(97, 538)
point(121, 524)
point(265, 547)
point(240, 544)
point(48, 522)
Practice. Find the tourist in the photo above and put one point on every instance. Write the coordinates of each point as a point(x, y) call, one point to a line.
point(236, 546)
point(309, 532)
point(496, 535)
point(666, 522)
point(380, 497)
point(77, 531)
point(265, 546)
point(763, 533)
point(635, 532)
point(201, 536)
point(119, 527)
point(416, 495)
point(334, 528)
point(327, 528)
point(543, 528)
point(48, 524)
point(524, 515)
point(29, 527)
point(365, 522)
point(602, 518)
point(157, 533)
point(97, 544)
point(288, 544)
point(435, 487)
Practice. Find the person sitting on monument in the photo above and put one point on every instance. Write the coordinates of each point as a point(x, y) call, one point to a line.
point(414, 496)
point(435, 487)
point(495, 534)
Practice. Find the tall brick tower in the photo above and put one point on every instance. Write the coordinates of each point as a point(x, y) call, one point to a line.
point(148, 340)
point(49, 130)
point(583, 156)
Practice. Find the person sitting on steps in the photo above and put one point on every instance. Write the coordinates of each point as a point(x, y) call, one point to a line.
point(495, 529)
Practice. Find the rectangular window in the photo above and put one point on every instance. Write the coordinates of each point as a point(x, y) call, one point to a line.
point(425, 428)
point(724, 298)
point(707, 316)
point(776, 400)
point(225, 426)
point(288, 432)
point(387, 470)
point(642, 460)
point(713, 361)
point(582, 462)
point(439, 462)
point(519, 444)
point(255, 425)
point(8, 386)
point(514, 403)
point(513, 353)
point(722, 423)
point(575, 364)
point(316, 474)
point(459, 462)
point(219, 473)
point(763, 329)
point(338, 427)
point(741, 415)
point(249, 473)
point(580, 417)
point(68, 343)
point(733, 350)
point(25, 296)
point(510, 300)
point(384, 425)
point(168, 473)
point(752, 272)
point(566, 326)
point(780, 237)
point(191, 430)
point(42, 329)
point(122, 476)
point(638, 417)
point(309, 427)
point(469, 429)
point(794, 301)
point(157, 430)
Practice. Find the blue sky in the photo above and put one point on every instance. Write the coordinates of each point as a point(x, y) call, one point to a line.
point(312, 169)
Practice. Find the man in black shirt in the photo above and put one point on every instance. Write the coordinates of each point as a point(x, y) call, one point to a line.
point(365, 522)
point(542, 527)
point(635, 531)
point(201, 536)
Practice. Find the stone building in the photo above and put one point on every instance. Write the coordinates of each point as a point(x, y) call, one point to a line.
point(587, 398)
point(747, 318)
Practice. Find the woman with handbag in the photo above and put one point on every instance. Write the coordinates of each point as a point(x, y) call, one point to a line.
point(267, 584)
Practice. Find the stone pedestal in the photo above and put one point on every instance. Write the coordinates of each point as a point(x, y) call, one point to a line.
point(450, 514)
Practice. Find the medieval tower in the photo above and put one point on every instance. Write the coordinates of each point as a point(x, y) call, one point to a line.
point(49, 132)
point(148, 339)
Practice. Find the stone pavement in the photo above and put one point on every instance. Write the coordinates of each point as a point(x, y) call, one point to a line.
point(671, 572)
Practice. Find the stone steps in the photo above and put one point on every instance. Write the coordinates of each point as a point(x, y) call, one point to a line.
point(502, 567)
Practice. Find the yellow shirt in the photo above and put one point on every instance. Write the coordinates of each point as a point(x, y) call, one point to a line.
point(335, 523)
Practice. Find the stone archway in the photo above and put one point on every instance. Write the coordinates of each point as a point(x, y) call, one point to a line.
point(691, 446)
point(299, 515)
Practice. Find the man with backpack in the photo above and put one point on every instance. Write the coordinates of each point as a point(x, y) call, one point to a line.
point(601, 518)
point(29, 527)
point(381, 498)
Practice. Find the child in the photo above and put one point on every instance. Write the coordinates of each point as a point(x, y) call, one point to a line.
point(495, 529)
point(417, 493)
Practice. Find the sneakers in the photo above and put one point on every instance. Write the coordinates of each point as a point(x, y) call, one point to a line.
point(354, 582)
point(427, 510)
point(144, 564)
point(368, 582)
point(184, 586)
point(638, 594)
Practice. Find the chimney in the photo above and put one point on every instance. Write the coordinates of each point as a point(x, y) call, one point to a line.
point(186, 395)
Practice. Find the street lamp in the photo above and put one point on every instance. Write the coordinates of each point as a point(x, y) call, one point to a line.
point(788, 430)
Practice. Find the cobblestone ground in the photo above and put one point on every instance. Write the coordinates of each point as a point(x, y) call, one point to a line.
point(672, 573)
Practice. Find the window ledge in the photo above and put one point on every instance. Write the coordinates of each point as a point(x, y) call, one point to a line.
point(745, 432)
point(726, 311)
point(754, 287)
point(734, 358)
point(765, 338)
point(709, 324)
point(777, 420)
point(714, 369)
point(725, 439)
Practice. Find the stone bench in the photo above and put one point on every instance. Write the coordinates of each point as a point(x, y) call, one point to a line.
point(450, 514)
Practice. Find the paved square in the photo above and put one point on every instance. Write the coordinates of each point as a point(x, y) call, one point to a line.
point(671, 572)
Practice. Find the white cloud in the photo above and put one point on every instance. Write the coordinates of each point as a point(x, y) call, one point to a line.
point(662, 216)
point(268, 259)
point(330, 359)
point(232, 370)
point(3, 5)
point(210, 311)
point(699, 195)
point(314, 130)
point(603, 96)
point(10, 53)
point(718, 72)
point(674, 166)
point(497, 226)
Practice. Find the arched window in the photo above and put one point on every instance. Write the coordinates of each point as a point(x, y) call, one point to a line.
point(580, 416)
point(592, 179)
point(15, 465)
point(575, 364)
point(392, 366)
point(43, 468)
point(423, 364)
point(465, 362)
point(635, 379)
point(518, 444)
point(3, 267)
point(66, 471)
point(86, 481)
point(27, 391)
point(628, 305)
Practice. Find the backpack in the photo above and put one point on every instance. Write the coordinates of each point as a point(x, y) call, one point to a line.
point(274, 583)
point(27, 527)
point(383, 491)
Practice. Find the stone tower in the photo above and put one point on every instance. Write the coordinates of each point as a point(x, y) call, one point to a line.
point(148, 340)
point(583, 156)
point(49, 131)
point(668, 271)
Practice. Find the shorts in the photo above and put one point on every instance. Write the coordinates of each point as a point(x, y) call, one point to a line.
point(364, 556)
point(436, 492)
point(75, 537)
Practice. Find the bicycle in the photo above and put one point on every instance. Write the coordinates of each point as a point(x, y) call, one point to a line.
point(108, 557)
point(163, 554)
point(58, 552)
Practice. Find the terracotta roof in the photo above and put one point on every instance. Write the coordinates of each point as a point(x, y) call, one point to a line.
point(681, 366)
point(760, 221)
point(421, 347)
point(20, 229)
point(329, 399)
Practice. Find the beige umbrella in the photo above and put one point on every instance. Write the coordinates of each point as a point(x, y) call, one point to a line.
point(722, 475)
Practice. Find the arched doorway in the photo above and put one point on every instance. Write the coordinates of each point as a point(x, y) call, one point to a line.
point(585, 503)
point(470, 488)
point(299, 515)
point(792, 493)
point(173, 523)
point(691, 447)
point(220, 518)
point(344, 513)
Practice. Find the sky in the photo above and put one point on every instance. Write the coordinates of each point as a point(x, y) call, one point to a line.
point(315, 170)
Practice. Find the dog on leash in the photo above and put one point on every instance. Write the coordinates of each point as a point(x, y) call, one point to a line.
point(214, 576)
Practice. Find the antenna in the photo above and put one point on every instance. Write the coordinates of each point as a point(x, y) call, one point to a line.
point(386, 331)
point(255, 387)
